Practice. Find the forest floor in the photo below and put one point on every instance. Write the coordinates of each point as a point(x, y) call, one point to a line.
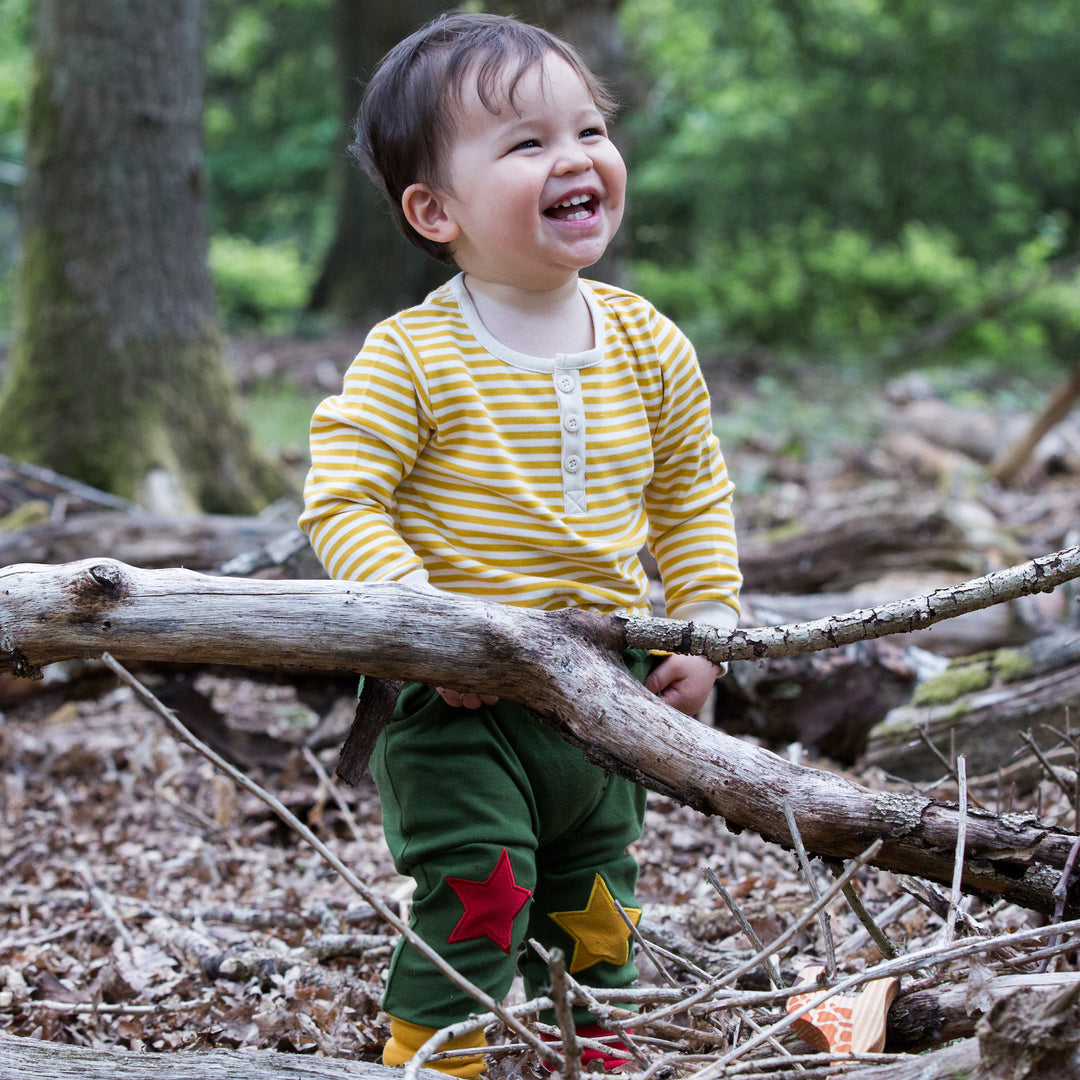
point(148, 902)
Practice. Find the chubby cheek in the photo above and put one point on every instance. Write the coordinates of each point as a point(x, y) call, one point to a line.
point(618, 182)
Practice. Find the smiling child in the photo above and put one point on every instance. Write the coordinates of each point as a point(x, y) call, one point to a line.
point(518, 436)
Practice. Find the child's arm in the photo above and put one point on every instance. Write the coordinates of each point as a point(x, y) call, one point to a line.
point(363, 442)
point(464, 699)
point(691, 527)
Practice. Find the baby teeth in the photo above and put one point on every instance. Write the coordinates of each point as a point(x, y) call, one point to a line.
point(577, 200)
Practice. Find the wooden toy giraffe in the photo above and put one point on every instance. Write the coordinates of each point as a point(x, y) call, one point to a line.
point(844, 1023)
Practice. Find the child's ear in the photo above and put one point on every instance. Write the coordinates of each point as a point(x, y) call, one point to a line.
point(425, 210)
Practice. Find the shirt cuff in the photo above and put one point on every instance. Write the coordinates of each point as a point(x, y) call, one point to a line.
point(417, 579)
point(713, 613)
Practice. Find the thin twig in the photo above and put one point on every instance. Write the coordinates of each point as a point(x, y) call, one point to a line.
point(1068, 790)
point(646, 946)
point(683, 962)
point(290, 819)
point(335, 791)
point(101, 898)
point(961, 843)
point(774, 946)
point(932, 747)
point(815, 892)
point(950, 765)
point(120, 1008)
point(876, 933)
point(606, 1014)
point(564, 1016)
point(914, 961)
point(771, 970)
point(1061, 893)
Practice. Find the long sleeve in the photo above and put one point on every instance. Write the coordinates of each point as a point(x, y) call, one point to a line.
point(688, 500)
point(363, 442)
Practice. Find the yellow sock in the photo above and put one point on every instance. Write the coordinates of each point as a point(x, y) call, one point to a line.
point(405, 1039)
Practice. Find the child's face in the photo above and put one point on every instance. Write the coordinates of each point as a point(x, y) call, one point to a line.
point(536, 191)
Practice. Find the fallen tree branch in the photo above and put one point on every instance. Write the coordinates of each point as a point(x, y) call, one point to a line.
point(1012, 460)
point(35, 1059)
point(899, 617)
point(558, 664)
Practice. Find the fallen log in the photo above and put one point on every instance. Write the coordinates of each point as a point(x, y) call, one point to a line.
point(828, 702)
point(929, 1018)
point(840, 546)
point(34, 1059)
point(202, 543)
point(982, 706)
point(561, 666)
point(1032, 1032)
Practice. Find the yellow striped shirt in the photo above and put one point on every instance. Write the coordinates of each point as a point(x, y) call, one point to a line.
point(452, 460)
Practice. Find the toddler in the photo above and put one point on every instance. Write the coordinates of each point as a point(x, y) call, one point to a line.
point(519, 436)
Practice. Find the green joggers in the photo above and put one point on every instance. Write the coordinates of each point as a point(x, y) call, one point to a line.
point(510, 835)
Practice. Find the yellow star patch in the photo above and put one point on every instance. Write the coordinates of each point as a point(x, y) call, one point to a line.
point(599, 931)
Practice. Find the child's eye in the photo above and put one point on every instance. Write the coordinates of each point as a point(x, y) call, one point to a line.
point(527, 144)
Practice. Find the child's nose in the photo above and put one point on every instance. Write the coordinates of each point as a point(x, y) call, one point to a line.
point(574, 158)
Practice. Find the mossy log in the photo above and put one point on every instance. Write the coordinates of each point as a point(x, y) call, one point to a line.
point(983, 706)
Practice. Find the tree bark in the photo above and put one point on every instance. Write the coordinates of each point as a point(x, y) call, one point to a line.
point(200, 542)
point(864, 539)
point(370, 270)
point(1034, 1033)
point(33, 1059)
point(562, 665)
point(117, 373)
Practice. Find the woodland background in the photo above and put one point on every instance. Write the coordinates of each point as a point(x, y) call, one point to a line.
point(867, 215)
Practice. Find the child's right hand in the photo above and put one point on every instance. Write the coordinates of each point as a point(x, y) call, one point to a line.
point(466, 699)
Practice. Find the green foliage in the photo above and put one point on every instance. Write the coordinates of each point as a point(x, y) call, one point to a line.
point(827, 176)
point(272, 120)
point(279, 415)
point(14, 78)
point(258, 285)
point(272, 130)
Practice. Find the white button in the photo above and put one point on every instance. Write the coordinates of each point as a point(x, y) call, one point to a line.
point(572, 463)
point(572, 422)
point(565, 383)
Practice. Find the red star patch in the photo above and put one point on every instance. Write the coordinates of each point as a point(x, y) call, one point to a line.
point(490, 906)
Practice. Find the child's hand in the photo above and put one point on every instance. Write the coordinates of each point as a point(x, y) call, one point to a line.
point(683, 682)
point(466, 699)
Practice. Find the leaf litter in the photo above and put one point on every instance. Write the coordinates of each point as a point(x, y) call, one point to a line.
point(146, 903)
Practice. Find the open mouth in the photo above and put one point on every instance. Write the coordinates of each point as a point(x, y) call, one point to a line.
point(576, 208)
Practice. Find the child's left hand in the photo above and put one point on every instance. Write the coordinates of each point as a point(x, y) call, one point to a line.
point(683, 682)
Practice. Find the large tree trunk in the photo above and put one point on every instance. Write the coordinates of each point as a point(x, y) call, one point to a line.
point(117, 375)
point(370, 269)
point(562, 665)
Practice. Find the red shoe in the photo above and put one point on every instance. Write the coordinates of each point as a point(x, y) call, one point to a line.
point(588, 1054)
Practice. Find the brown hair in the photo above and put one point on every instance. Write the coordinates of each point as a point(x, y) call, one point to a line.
point(406, 117)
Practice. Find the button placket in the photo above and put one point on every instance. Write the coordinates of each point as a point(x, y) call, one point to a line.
point(572, 424)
